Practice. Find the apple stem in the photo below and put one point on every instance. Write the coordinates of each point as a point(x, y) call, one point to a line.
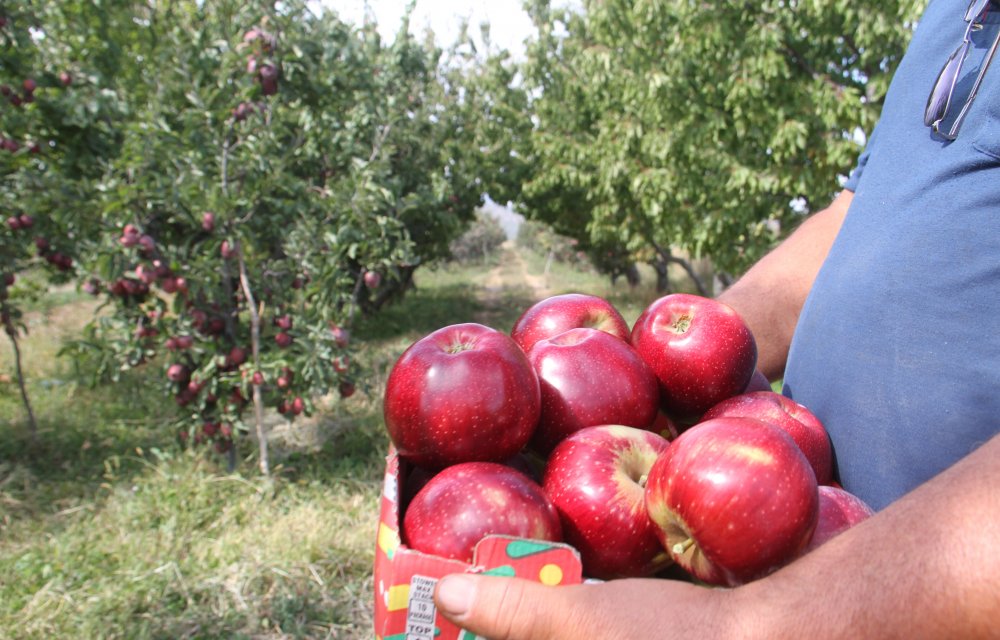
point(681, 547)
point(642, 480)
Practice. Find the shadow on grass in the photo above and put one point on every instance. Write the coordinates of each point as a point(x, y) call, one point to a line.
point(421, 311)
point(425, 310)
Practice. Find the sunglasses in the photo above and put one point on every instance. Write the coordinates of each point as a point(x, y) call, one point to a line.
point(939, 101)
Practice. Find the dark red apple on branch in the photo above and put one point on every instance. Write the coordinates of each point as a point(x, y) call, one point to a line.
point(463, 393)
point(465, 502)
point(588, 378)
point(790, 416)
point(596, 479)
point(556, 314)
point(733, 499)
point(372, 279)
point(700, 350)
point(178, 373)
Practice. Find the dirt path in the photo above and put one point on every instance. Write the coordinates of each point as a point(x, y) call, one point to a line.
point(508, 282)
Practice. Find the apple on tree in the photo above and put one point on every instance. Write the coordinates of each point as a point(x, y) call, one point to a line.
point(468, 501)
point(796, 420)
point(732, 499)
point(596, 479)
point(589, 377)
point(463, 393)
point(556, 314)
point(372, 279)
point(700, 350)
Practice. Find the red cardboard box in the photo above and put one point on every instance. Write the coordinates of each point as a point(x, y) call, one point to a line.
point(405, 579)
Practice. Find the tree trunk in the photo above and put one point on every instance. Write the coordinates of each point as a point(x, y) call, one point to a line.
point(11, 331)
point(258, 400)
point(32, 424)
point(632, 275)
point(662, 276)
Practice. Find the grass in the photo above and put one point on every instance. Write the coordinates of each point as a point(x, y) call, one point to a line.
point(108, 529)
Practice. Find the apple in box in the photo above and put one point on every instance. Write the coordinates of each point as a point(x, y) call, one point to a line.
point(795, 419)
point(463, 393)
point(462, 504)
point(589, 378)
point(733, 499)
point(596, 479)
point(700, 350)
point(839, 510)
point(553, 315)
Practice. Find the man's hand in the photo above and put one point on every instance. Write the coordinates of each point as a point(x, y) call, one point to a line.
point(928, 566)
point(513, 609)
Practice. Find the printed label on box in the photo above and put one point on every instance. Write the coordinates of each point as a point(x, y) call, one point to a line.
point(420, 609)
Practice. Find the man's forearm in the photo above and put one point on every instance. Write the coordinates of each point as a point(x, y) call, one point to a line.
point(770, 295)
point(928, 566)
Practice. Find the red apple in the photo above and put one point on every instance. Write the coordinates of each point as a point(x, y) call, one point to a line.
point(838, 512)
point(285, 379)
point(465, 502)
point(463, 393)
point(257, 379)
point(733, 499)
point(341, 364)
point(236, 356)
point(146, 243)
point(268, 75)
point(700, 350)
point(283, 339)
point(588, 378)
point(372, 279)
point(340, 335)
point(346, 389)
point(283, 322)
point(556, 314)
point(790, 416)
point(29, 85)
point(178, 373)
point(208, 221)
point(596, 479)
point(65, 78)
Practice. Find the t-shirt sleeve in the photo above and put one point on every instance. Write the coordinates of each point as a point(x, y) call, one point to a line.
point(859, 168)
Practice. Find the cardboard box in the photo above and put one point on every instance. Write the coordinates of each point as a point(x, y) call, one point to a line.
point(405, 579)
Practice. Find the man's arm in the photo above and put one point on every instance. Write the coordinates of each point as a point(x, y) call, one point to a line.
point(770, 295)
point(927, 566)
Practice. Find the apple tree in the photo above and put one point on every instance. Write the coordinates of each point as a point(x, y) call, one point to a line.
point(703, 127)
point(242, 184)
point(55, 132)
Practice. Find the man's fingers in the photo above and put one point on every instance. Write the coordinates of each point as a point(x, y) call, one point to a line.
point(505, 608)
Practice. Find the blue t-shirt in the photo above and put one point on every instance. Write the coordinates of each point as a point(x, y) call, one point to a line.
point(897, 349)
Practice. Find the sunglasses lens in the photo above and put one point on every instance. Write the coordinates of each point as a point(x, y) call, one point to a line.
point(937, 103)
